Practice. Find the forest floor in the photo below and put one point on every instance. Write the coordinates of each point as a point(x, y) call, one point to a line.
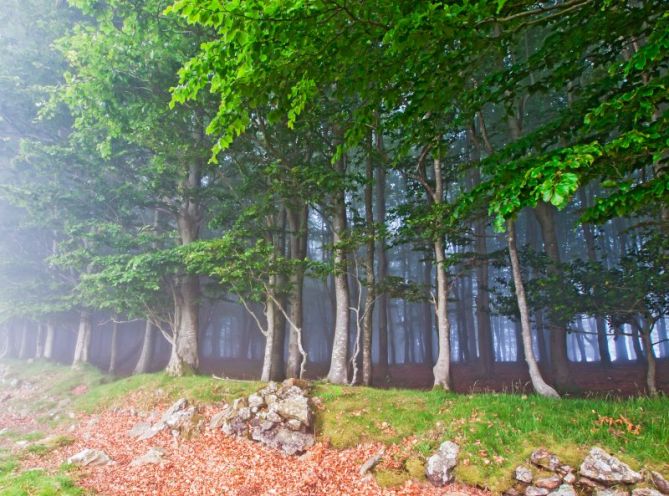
point(49, 412)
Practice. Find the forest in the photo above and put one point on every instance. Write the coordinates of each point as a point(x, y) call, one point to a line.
point(417, 193)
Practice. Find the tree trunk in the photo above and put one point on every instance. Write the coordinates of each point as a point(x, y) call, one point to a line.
point(23, 347)
point(113, 356)
point(538, 382)
point(298, 225)
point(39, 341)
point(427, 311)
point(651, 384)
point(83, 339)
point(370, 280)
point(545, 214)
point(49, 340)
point(442, 368)
point(144, 362)
point(382, 301)
point(184, 358)
point(338, 373)
point(602, 337)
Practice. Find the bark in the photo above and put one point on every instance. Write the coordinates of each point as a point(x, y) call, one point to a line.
point(298, 224)
point(113, 356)
point(545, 214)
point(370, 297)
point(338, 373)
point(442, 368)
point(39, 341)
point(83, 339)
point(538, 382)
point(49, 340)
point(427, 316)
point(144, 362)
point(184, 358)
point(651, 384)
point(23, 347)
point(382, 271)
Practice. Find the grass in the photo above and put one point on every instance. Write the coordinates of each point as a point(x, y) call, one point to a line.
point(16, 482)
point(496, 432)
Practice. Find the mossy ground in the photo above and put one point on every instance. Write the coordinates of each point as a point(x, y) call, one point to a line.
point(496, 432)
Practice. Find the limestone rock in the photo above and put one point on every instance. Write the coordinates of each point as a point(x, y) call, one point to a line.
point(293, 407)
point(550, 483)
point(152, 457)
point(256, 401)
point(536, 491)
point(524, 474)
point(610, 492)
point(660, 482)
point(90, 457)
point(564, 490)
point(569, 478)
point(602, 467)
point(545, 459)
point(646, 491)
point(282, 438)
point(139, 430)
point(439, 468)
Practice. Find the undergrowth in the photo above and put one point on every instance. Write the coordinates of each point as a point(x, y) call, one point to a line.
point(496, 432)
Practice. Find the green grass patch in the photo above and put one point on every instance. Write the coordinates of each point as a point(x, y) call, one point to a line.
point(496, 432)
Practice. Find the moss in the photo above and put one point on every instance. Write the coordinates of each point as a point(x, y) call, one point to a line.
point(391, 478)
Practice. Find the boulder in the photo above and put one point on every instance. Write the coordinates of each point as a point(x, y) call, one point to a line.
point(152, 457)
point(550, 483)
point(602, 467)
point(523, 474)
point(439, 468)
point(659, 482)
point(563, 490)
point(545, 459)
point(90, 457)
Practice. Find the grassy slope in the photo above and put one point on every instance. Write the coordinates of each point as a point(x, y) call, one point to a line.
point(496, 431)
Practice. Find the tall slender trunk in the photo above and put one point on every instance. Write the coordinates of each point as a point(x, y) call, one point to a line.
point(338, 373)
point(144, 362)
point(370, 280)
point(545, 214)
point(83, 339)
point(426, 310)
point(113, 355)
point(538, 382)
point(442, 368)
point(298, 225)
point(602, 337)
point(184, 358)
point(39, 341)
point(49, 340)
point(382, 274)
point(651, 366)
point(23, 346)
